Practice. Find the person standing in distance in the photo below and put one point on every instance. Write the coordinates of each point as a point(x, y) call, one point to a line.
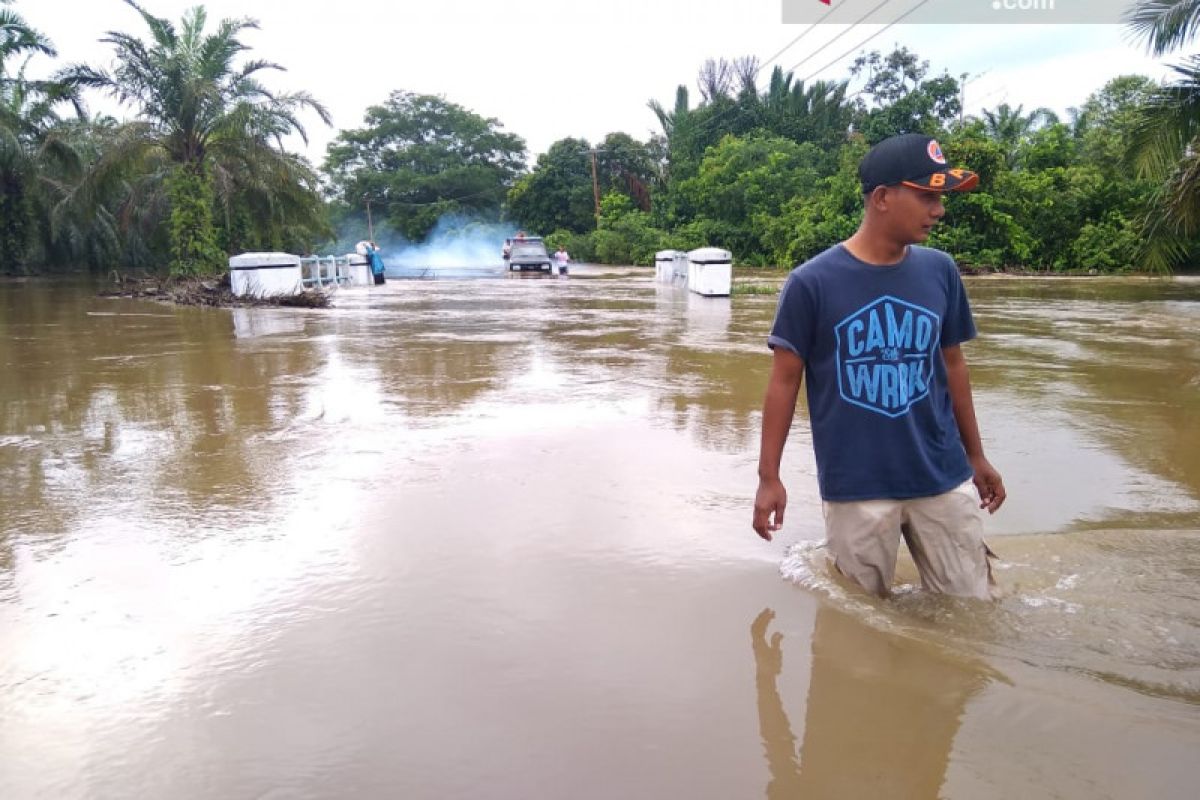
point(562, 260)
point(876, 322)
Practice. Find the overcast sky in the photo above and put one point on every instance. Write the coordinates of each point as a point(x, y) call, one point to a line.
point(547, 69)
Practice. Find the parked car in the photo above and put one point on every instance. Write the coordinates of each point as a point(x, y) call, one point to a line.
point(528, 254)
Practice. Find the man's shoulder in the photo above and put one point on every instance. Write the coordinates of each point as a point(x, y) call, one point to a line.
point(821, 264)
point(932, 255)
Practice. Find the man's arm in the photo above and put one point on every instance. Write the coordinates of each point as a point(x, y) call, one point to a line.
point(779, 406)
point(987, 479)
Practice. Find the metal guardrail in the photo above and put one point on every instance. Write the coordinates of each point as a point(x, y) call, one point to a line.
point(325, 270)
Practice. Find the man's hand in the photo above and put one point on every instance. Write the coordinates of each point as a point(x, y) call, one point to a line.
point(769, 503)
point(989, 484)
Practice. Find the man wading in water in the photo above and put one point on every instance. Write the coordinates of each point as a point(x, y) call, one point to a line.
point(878, 322)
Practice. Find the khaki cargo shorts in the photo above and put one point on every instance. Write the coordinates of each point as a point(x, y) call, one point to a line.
point(944, 534)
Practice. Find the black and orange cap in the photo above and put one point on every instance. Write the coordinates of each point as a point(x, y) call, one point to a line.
point(915, 160)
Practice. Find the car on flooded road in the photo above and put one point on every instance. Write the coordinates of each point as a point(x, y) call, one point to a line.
point(529, 255)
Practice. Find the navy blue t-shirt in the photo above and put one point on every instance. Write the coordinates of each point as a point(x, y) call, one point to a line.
point(871, 339)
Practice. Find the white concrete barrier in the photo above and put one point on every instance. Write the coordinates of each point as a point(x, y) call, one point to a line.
point(710, 271)
point(664, 265)
point(360, 270)
point(265, 274)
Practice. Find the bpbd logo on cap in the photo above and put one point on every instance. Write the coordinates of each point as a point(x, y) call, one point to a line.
point(935, 151)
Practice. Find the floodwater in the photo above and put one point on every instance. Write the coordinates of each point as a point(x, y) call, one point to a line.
point(491, 539)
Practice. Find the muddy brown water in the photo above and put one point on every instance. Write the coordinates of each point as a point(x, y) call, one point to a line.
point(490, 539)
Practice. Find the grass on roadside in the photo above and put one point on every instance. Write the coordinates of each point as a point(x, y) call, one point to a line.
point(754, 288)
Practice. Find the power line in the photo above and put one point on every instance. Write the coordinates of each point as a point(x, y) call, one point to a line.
point(983, 109)
point(790, 44)
point(758, 69)
point(896, 21)
point(853, 25)
point(710, 123)
point(786, 47)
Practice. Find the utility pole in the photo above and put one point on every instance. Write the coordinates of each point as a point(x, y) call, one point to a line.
point(962, 99)
point(595, 187)
point(370, 227)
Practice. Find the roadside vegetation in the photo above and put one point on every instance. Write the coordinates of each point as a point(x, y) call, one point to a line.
point(753, 160)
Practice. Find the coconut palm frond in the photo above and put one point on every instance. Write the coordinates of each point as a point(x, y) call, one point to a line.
point(1164, 25)
point(1169, 123)
point(17, 39)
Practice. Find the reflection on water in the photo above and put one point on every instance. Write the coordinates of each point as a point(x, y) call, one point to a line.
point(292, 551)
point(779, 742)
point(249, 323)
point(881, 715)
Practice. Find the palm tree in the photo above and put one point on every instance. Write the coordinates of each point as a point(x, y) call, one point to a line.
point(1166, 25)
point(676, 125)
point(204, 125)
point(18, 39)
point(1165, 146)
point(1011, 127)
point(675, 118)
point(27, 143)
point(815, 113)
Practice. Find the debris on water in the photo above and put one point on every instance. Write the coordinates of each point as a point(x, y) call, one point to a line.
point(215, 291)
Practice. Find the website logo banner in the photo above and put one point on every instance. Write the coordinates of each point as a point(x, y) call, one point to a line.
point(956, 12)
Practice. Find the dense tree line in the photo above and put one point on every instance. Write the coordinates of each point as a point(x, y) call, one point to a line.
point(197, 172)
point(771, 174)
point(763, 164)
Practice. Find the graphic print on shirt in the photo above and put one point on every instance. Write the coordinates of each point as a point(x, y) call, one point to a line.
point(885, 355)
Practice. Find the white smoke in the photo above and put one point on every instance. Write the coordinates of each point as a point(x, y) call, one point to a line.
point(457, 240)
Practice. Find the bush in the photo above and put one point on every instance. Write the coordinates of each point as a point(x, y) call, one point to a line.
point(1109, 245)
point(626, 234)
point(579, 245)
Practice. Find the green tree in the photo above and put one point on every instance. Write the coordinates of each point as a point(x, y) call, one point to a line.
point(203, 124)
point(557, 195)
point(1053, 205)
point(1165, 146)
point(626, 166)
point(818, 112)
point(80, 221)
point(898, 97)
point(18, 39)
point(419, 157)
point(1108, 118)
point(1012, 128)
point(744, 183)
point(809, 223)
point(675, 125)
point(978, 229)
point(1165, 25)
point(1051, 146)
point(38, 160)
point(27, 144)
